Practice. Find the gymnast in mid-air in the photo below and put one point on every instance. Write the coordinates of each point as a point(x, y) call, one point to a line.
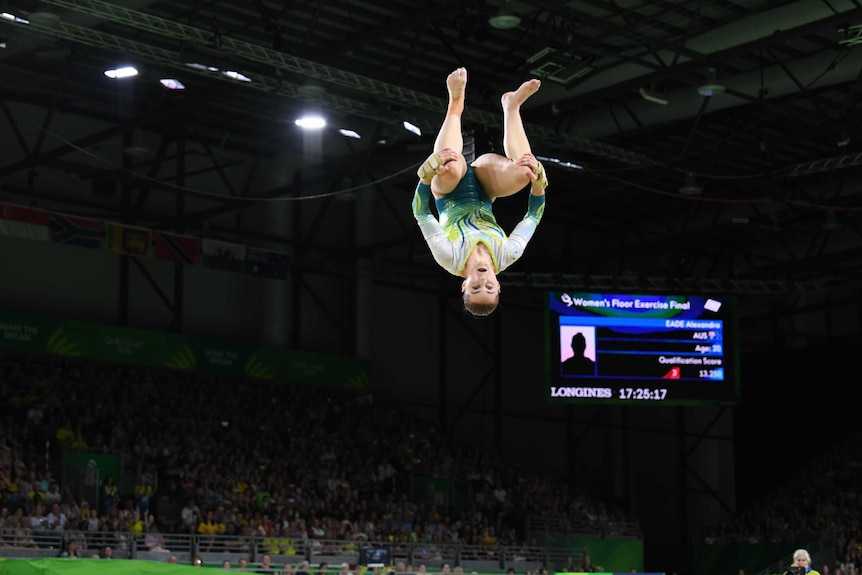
point(466, 240)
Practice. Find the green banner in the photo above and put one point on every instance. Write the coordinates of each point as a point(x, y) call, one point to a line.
point(435, 491)
point(75, 339)
point(92, 466)
point(610, 555)
point(91, 567)
point(85, 472)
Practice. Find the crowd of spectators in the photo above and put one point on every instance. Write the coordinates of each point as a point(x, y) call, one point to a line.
point(210, 455)
point(818, 501)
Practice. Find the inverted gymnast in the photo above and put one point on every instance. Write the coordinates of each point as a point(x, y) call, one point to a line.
point(466, 239)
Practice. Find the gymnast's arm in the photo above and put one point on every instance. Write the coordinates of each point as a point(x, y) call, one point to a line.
point(525, 229)
point(441, 248)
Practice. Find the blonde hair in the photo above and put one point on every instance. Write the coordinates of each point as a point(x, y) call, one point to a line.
point(480, 309)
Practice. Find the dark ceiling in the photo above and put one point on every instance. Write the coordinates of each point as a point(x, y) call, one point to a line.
point(774, 157)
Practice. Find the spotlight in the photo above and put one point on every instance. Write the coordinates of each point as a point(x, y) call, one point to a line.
point(708, 90)
point(199, 66)
point(172, 84)
point(120, 73)
point(712, 87)
point(504, 19)
point(349, 134)
point(236, 75)
point(311, 122)
point(561, 163)
point(13, 18)
point(412, 128)
point(690, 188)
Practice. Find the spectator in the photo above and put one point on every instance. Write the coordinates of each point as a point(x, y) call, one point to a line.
point(109, 493)
point(70, 551)
point(190, 517)
point(265, 565)
point(53, 495)
point(144, 491)
point(56, 519)
point(38, 521)
point(154, 540)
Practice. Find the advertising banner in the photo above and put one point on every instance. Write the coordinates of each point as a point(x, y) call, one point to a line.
point(75, 339)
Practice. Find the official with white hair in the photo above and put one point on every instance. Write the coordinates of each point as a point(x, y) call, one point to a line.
point(802, 564)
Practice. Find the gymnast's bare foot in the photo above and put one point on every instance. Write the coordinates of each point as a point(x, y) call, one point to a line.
point(456, 83)
point(513, 100)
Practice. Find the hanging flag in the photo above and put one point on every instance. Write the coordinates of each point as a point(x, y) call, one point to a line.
point(223, 255)
point(23, 222)
point(129, 240)
point(176, 248)
point(266, 263)
point(77, 231)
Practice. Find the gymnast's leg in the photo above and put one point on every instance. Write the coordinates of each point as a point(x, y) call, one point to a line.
point(447, 165)
point(504, 176)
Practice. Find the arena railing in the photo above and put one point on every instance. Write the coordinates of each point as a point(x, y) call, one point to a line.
point(28, 543)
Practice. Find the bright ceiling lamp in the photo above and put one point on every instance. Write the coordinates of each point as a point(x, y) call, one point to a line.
point(13, 18)
point(412, 128)
point(236, 75)
point(559, 162)
point(311, 122)
point(349, 134)
point(172, 84)
point(199, 66)
point(120, 73)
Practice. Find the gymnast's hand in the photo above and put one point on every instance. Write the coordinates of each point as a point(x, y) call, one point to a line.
point(529, 161)
point(536, 172)
point(437, 163)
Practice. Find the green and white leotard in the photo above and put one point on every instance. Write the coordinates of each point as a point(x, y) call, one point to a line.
point(467, 219)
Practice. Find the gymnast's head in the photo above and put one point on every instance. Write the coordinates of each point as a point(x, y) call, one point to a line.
point(481, 291)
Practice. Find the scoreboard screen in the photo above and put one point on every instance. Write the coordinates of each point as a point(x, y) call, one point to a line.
point(641, 349)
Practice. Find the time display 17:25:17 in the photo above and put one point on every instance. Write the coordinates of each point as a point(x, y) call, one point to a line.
point(645, 393)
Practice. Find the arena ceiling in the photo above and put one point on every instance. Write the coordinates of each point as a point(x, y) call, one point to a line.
point(691, 144)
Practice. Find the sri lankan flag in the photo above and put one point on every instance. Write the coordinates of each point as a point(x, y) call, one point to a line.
point(129, 240)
